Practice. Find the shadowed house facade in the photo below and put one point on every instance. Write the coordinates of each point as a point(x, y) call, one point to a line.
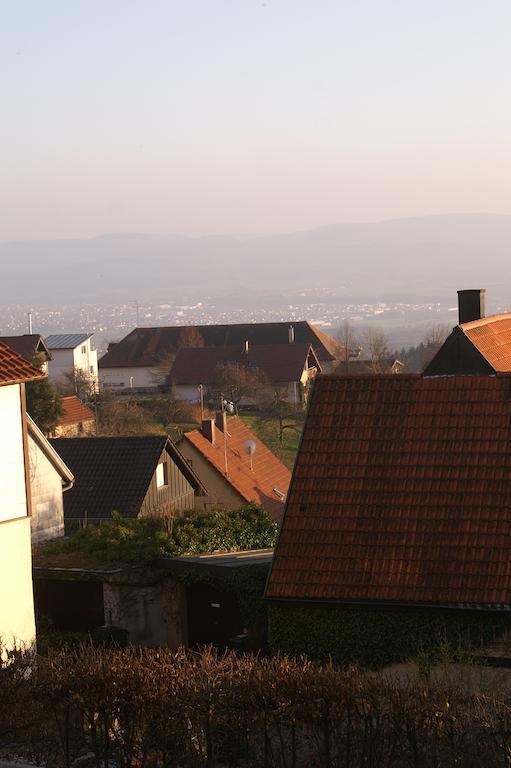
point(397, 528)
point(135, 476)
point(49, 478)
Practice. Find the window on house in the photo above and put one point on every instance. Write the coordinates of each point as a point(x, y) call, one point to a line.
point(162, 477)
point(91, 368)
point(84, 349)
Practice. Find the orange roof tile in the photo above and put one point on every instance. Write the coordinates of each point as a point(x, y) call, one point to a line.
point(255, 485)
point(401, 493)
point(14, 369)
point(492, 337)
point(74, 411)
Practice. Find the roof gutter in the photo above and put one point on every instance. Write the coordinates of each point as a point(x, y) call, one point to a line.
point(310, 602)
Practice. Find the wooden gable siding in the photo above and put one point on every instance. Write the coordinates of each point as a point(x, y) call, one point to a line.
point(174, 498)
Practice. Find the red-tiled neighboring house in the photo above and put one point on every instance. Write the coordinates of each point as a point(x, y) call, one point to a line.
point(401, 495)
point(76, 419)
point(131, 362)
point(220, 455)
point(289, 367)
point(478, 344)
point(396, 537)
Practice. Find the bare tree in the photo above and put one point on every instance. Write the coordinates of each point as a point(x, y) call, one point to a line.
point(376, 346)
point(350, 345)
point(190, 336)
point(433, 340)
point(118, 416)
point(236, 382)
point(77, 382)
point(161, 371)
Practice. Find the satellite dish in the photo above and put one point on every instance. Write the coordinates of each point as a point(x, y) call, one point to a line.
point(250, 447)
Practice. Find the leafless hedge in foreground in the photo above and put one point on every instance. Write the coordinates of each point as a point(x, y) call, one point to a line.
point(149, 708)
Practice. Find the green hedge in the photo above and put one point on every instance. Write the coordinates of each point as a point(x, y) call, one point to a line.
point(147, 538)
point(380, 636)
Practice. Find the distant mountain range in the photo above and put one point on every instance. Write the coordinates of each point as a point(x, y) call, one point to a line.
point(415, 259)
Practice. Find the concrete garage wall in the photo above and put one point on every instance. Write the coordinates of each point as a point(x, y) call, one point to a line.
point(152, 614)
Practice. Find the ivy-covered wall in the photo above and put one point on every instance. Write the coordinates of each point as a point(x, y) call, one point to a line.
point(375, 637)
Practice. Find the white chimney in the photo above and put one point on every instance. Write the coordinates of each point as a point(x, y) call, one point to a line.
point(291, 334)
point(246, 345)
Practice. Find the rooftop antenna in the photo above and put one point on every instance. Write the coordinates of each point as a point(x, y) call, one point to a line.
point(30, 323)
point(250, 447)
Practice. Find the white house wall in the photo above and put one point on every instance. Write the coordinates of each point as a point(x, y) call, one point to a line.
point(12, 467)
point(47, 502)
point(65, 361)
point(126, 378)
point(17, 623)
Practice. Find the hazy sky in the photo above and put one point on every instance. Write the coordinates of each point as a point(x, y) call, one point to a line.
point(249, 116)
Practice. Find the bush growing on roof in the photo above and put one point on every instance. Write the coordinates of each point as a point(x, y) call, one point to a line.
point(146, 538)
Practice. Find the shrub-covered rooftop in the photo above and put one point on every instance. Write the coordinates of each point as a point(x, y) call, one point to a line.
point(145, 539)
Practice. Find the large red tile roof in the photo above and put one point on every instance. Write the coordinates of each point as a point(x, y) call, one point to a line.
point(74, 411)
point(401, 493)
point(14, 369)
point(278, 362)
point(492, 337)
point(255, 484)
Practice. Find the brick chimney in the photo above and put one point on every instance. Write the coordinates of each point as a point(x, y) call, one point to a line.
point(470, 305)
point(221, 421)
point(208, 429)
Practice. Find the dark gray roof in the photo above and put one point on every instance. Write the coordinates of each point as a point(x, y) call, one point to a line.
point(147, 346)
point(28, 345)
point(66, 340)
point(114, 473)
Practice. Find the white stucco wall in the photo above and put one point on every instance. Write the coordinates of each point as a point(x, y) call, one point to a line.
point(47, 503)
point(13, 501)
point(17, 623)
point(119, 378)
point(66, 360)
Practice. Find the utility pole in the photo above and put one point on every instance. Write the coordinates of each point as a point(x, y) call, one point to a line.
point(224, 430)
point(201, 392)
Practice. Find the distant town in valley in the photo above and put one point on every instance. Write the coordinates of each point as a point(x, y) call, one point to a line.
point(403, 324)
